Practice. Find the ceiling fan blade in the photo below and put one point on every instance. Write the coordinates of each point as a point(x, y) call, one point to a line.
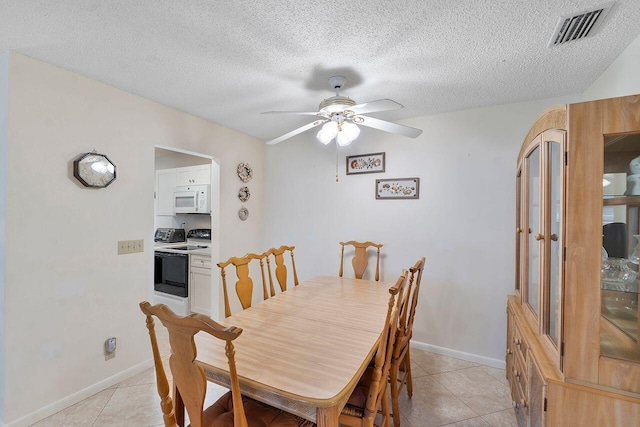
point(303, 113)
point(390, 127)
point(296, 131)
point(373, 106)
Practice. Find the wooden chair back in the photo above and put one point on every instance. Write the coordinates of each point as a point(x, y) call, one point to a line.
point(410, 301)
point(244, 285)
point(360, 258)
point(401, 351)
point(188, 376)
point(281, 268)
point(378, 386)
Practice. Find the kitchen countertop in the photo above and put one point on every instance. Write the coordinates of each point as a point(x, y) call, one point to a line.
point(168, 247)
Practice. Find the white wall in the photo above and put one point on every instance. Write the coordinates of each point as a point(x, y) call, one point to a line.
point(621, 78)
point(463, 222)
point(4, 88)
point(66, 288)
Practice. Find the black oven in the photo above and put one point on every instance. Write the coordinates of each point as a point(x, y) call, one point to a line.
point(171, 273)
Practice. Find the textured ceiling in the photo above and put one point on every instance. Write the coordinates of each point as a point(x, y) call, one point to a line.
point(227, 61)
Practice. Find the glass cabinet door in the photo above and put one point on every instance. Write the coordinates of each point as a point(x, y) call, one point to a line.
point(553, 238)
point(555, 181)
point(541, 246)
point(533, 231)
point(620, 232)
point(519, 228)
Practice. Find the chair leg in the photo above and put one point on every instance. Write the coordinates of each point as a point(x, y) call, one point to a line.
point(407, 361)
point(395, 406)
point(386, 418)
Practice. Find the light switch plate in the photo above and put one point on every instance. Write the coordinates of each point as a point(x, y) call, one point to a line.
point(130, 246)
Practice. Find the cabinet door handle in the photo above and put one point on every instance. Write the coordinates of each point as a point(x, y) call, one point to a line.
point(519, 230)
point(554, 237)
point(539, 236)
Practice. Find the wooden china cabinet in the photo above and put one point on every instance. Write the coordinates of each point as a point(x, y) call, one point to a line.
point(573, 352)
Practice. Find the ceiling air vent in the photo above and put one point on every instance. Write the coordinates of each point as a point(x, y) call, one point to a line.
point(578, 26)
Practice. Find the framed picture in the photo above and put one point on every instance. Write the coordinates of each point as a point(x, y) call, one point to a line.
point(398, 188)
point(365, 163)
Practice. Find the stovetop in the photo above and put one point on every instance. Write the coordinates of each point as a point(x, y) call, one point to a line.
point(188, 247)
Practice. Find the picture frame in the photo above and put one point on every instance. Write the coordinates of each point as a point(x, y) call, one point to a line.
point(365, 163)
point(398, 188)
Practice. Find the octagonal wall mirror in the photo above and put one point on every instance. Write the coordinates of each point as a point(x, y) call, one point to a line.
point(94, 170)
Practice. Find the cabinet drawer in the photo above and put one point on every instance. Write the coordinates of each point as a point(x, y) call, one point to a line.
point(200, 261)
point(519, 345)
point(520, 375)
point(519, 403)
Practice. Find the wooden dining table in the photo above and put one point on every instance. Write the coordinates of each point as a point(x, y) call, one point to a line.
point(305, 349)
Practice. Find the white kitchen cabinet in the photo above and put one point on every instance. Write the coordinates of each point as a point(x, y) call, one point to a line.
point(194, 175)
point(165, 184)
point(200, 284)
point(168, 179)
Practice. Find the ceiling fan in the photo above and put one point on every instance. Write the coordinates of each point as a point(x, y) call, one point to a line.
point(340, 117)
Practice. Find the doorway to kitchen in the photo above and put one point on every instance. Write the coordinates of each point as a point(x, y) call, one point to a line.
point(178, 173)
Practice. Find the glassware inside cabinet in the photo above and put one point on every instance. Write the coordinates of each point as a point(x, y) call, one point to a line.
point(620, 232)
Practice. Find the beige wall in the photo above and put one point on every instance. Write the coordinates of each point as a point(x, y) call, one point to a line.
point(66, 288)
point(4, 93)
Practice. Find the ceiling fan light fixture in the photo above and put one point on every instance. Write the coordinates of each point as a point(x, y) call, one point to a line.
point(350, 130)
point(348, 133)
point(343, 140)
point(328, 132)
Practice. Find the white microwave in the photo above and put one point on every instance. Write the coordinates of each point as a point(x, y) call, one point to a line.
point(191, 199)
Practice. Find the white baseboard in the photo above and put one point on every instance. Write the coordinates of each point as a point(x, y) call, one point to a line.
point(494, 363)
point(79, 396)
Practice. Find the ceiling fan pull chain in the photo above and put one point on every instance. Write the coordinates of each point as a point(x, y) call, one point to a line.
point(336, 162)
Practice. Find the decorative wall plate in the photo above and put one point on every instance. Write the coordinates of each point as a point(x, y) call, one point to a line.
point(243, 213)
point(244, 194)
point(245, 173)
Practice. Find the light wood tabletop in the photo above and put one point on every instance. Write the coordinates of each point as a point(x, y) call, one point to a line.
point(304, 350)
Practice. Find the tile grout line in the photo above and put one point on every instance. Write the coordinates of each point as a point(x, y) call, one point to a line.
point(454, 393)
point(502, 410)
point(105, 405)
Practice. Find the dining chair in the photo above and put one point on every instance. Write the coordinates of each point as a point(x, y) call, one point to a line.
point(360, 257)
point(401, 358)
point(371, 392)
point(244, 285)
point(281, 268)
point(232, 409)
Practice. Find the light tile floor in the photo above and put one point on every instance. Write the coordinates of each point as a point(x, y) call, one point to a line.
point(447, 392)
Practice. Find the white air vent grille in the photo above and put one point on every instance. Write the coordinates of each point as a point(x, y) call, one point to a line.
point(575, 27)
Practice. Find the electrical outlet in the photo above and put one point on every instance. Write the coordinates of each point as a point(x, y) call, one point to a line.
point(111, 344)
point(110, 348)
point(130, 246)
